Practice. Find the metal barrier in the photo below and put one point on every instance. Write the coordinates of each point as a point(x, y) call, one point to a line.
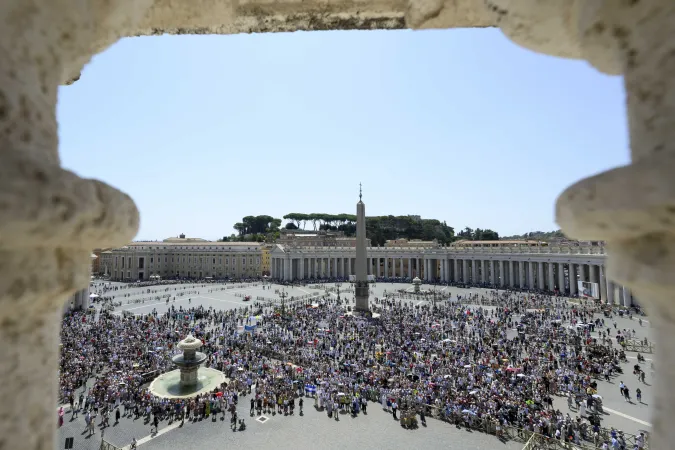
point(533, 441)
point(149, 376)
point(635, 345)
point(105, 445)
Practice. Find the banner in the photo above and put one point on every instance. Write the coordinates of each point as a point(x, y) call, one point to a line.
point(588, 289)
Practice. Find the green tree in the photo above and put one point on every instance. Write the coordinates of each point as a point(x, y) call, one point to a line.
point(314, 218)
point(257, 225)
point(240, 228)
point(538, 236)
point(295, 218)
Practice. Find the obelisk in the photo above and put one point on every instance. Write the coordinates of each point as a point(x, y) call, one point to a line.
point(361, 282)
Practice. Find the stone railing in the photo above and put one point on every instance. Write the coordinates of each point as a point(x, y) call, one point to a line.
point(515, 249)
point(51, 219)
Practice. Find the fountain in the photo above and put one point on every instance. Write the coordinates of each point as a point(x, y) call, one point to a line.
point(416, 285)
point(189, 379)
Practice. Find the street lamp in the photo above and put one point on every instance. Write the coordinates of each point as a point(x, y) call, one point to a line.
point(337, 286)
point(283, 294)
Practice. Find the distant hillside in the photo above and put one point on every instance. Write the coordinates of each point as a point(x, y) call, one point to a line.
point(378, 228)
point(537, 236)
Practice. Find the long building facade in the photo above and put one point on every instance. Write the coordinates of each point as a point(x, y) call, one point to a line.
point(184, 258)
point(556, 267)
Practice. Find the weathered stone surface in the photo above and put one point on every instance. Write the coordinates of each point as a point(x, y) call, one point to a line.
point(633, 207)
point(50, 218)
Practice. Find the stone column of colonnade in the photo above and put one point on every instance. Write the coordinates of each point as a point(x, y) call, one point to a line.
point(551, 276)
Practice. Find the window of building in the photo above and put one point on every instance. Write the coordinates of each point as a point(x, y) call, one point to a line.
point(152, 260)
point(243, 260)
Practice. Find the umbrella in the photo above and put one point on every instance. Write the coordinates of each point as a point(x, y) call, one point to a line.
point(597, 396)
point(468, 366)
point(520, 375)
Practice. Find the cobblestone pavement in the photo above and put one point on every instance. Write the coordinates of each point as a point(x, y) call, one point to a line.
point(119, 435)
point(630, 417)
point(376, 430)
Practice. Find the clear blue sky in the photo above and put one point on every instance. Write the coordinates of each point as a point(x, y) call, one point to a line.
point(459, 125)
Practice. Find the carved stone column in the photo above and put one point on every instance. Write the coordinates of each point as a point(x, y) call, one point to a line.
point(633, 207)
point(50, 219)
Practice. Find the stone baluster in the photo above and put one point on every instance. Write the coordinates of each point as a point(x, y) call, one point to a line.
point(50, 219)
point(632, 208)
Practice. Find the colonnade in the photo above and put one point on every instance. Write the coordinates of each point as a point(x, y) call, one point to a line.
point(512, 273)
point(78, 301)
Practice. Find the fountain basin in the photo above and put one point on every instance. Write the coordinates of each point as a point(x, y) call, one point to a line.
point(180, 359)
point(169, 385)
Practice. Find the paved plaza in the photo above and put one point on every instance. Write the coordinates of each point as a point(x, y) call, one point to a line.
point(377, 429)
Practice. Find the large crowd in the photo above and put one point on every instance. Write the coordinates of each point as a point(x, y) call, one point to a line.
point(474, 366)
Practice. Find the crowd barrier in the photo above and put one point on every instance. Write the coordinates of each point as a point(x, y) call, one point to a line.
point(534, 440)
point(530, 439)
point(105, 445)
point(635, 345)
